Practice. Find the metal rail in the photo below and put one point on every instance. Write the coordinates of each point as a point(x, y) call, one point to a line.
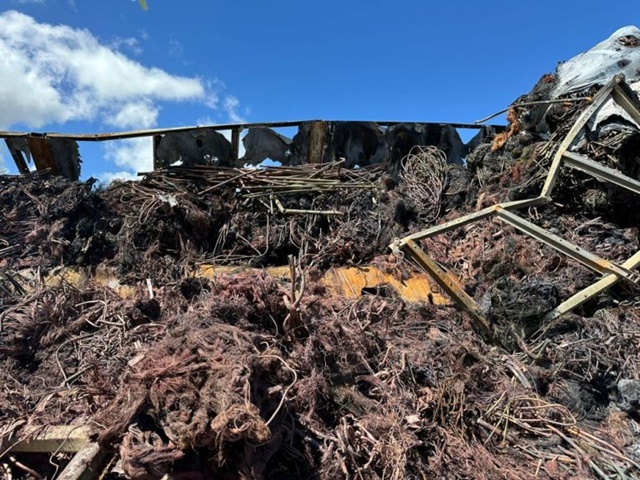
point(100, 137)
point(620, 92)
point(318, 132)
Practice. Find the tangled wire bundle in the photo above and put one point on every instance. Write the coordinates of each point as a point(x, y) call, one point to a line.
point(424, 173)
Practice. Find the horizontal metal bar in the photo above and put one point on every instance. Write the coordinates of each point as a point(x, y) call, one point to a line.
point(588, 259)
point(99, 137)
point(586, 165)
point(470, 218)
point(592, 291)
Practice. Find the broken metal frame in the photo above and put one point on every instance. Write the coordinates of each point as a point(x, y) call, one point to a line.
point(317, 138)
point(619, 91)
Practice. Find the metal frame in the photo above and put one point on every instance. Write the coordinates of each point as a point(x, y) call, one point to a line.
point(619, 91)
point(318, 134)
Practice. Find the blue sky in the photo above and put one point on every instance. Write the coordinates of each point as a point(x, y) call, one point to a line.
point(94, 66)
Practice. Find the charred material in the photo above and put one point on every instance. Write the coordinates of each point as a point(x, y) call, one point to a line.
point(197, 147)
point(59, 156)
point(356, 142)
point(263, 143)
point(400, 139)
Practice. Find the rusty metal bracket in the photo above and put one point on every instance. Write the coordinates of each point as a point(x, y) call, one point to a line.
point(18, 148)
point(620, 92)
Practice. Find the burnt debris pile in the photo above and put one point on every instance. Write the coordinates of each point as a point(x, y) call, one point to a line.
point(190, 326)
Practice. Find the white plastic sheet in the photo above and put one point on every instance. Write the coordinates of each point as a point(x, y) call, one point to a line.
point(620, 53)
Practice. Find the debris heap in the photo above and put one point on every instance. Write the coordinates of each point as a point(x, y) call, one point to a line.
point(109, 327)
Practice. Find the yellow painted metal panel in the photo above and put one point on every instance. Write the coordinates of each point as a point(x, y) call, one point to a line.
point(351, 282)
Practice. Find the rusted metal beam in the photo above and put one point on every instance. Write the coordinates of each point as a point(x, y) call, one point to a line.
point(18, 158)
point(627, 99)
point(235, 143)
point(592, 291)
point(317, 140)
point(447, 282)
point(585, 116)
point(579, 254)
point(586, 165)
point(99, 137)
point(470, 218)
point(157, 163)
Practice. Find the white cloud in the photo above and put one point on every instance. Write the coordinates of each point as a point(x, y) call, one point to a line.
point(108, 177)
point(135, 154)
point(134, 115)
point(53, 74)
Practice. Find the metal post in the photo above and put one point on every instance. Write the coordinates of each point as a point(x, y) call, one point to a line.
point(156, 160)
point(235, 143)
point(18, 158)
point(317, 141)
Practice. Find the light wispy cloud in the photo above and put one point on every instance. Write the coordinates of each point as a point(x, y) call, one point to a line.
point(130, 44)
point(176, 49)
point(231, 106)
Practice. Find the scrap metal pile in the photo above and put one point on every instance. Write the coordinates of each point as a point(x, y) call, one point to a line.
point(111, 331)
